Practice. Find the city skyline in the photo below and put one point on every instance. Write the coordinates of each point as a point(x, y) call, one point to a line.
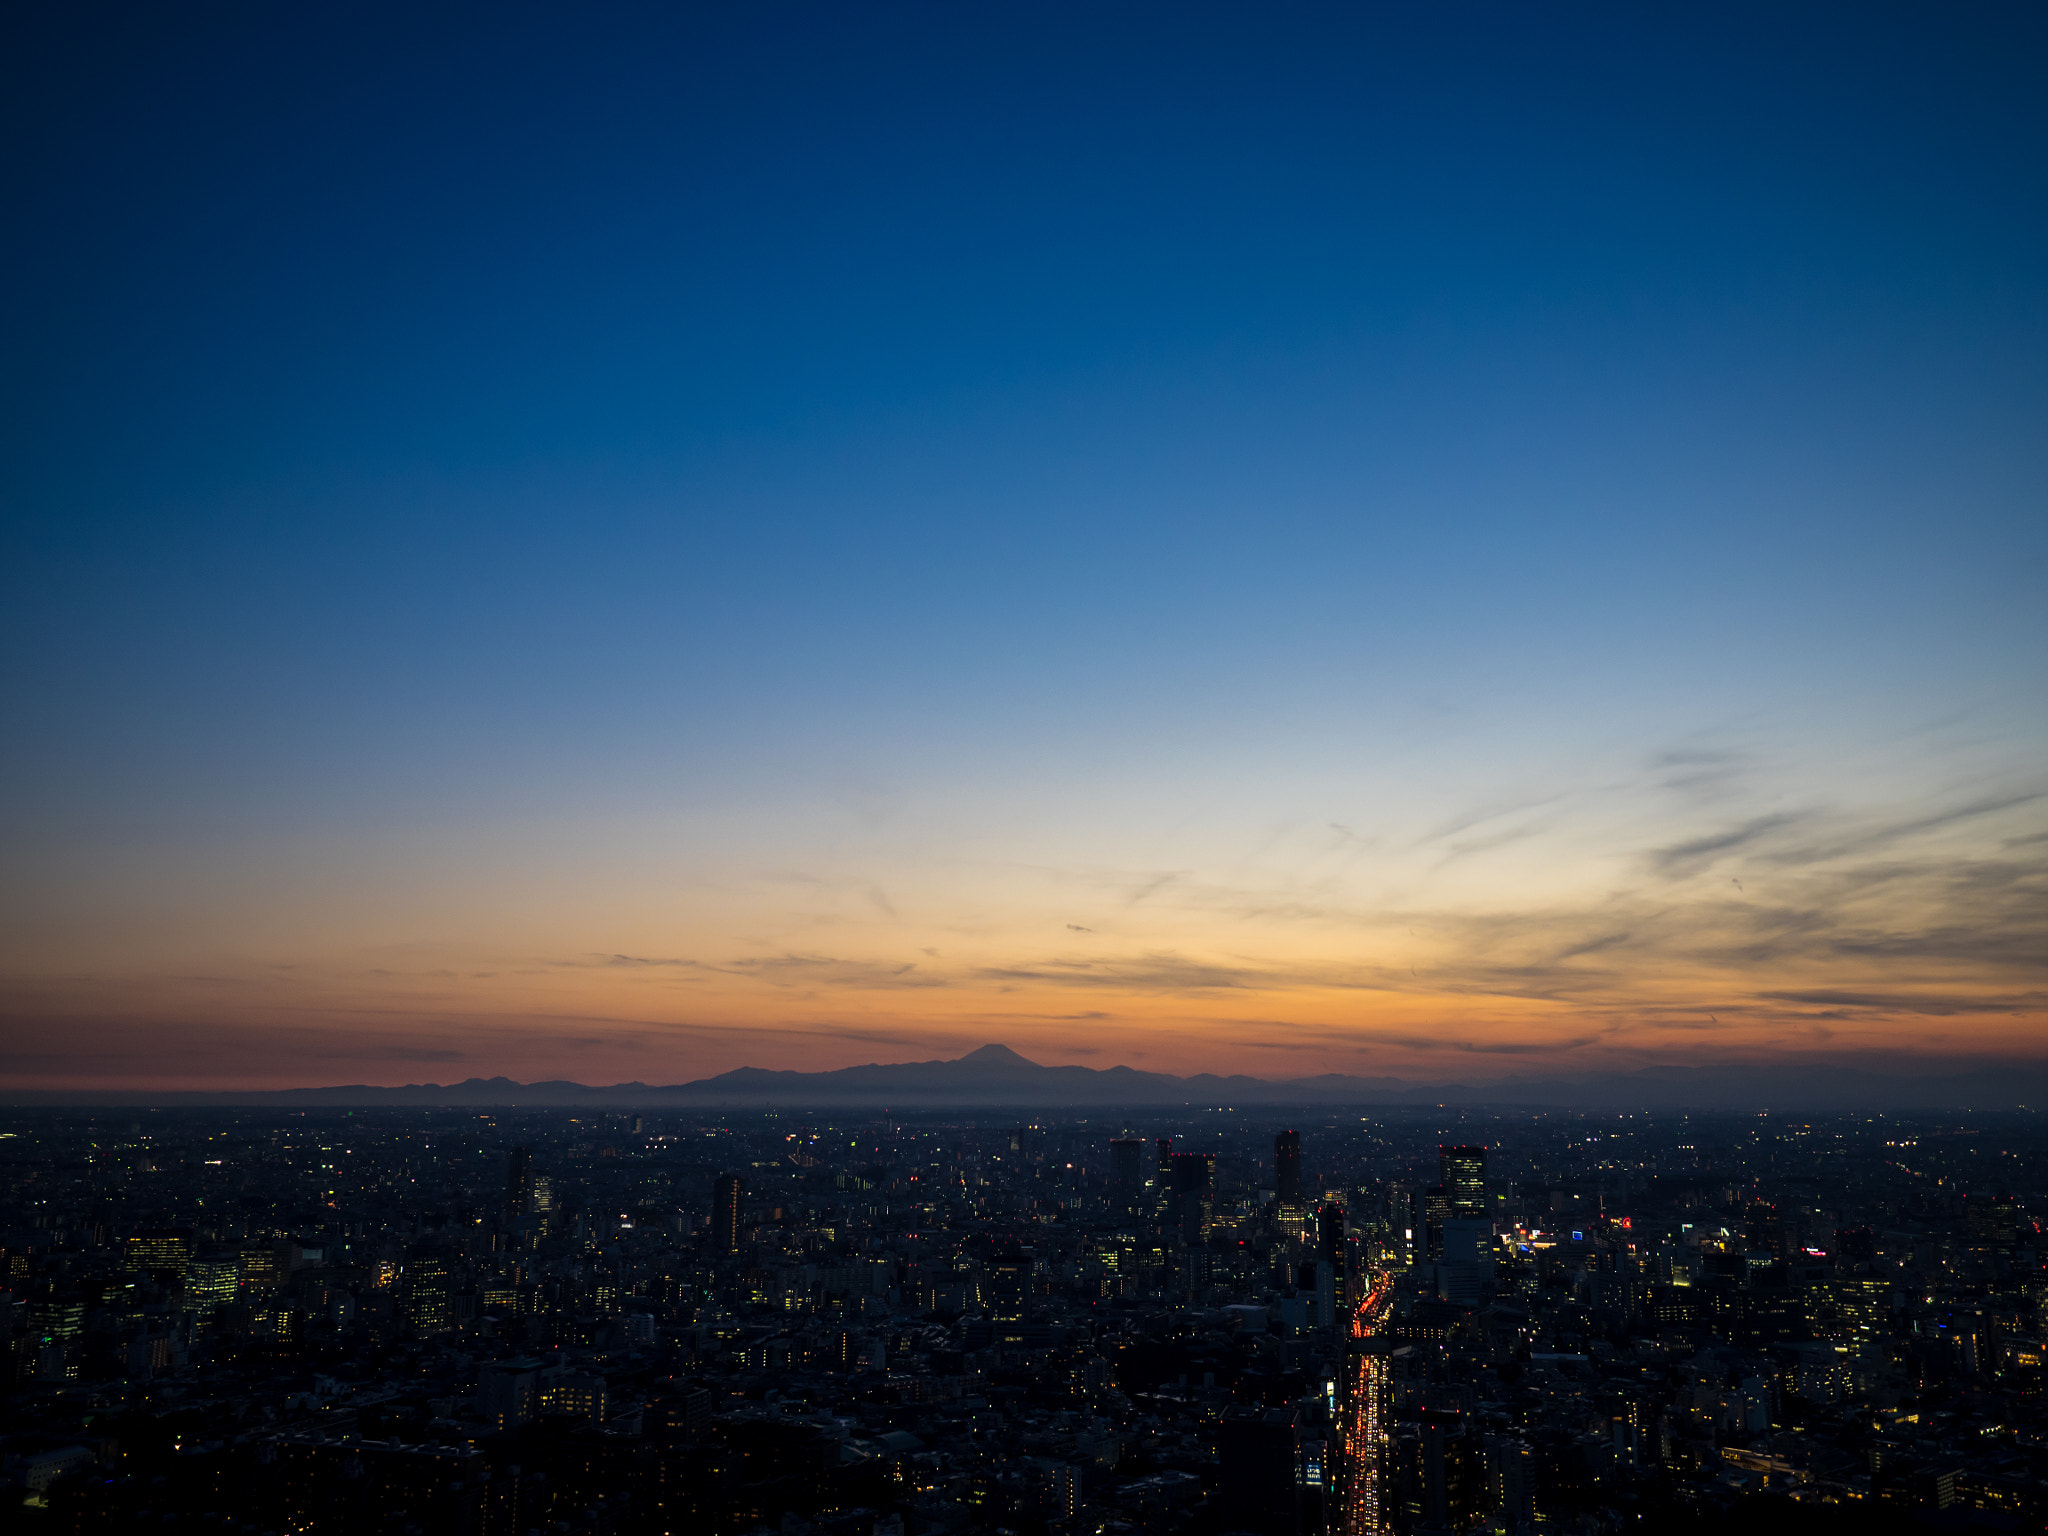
point(1241, 1323)
point(1445, 547)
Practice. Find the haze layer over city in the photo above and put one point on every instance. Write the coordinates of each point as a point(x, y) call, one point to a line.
point(1023, 770)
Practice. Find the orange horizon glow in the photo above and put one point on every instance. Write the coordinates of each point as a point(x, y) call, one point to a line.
point(1556, 938)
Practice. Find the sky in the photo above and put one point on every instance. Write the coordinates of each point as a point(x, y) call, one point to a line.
point(616, 542)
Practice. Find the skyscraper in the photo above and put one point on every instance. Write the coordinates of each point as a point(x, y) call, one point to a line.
point(1193, 1188)
point(1450, 1472)
point(1462, 1173)
point(1287, 1167)
point(1466, 1263)
point(1127, 1163)
point(1330, 1231)
point(429, 1302)
point(1336, 1259)
point(725, 1213)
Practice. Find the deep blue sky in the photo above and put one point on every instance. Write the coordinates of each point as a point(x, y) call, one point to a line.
point(415, 416)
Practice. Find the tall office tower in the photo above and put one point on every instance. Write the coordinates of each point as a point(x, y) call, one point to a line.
point(519, 1182)
point(725, 1213)
point(1164, 1171)
point(429, 1299)
point(1330, 1232)
point(1451, 1473)
point(1436, 1210)
point(1127, 1163)
point(1287, 1167)
point(1336, 1258)
point(1402, 1233)
point(1511, 1484)
point(1465, 1265)
point(1192, 1182)
point(1462, 1173)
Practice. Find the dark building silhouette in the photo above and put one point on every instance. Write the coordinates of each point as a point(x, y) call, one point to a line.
point(1448, 1484)
point(1993, 1224)
point(1330, 1243)
point(1330, 1231)
point(1192, 1182)
point(1127, 1163)
point(1259, 1467)
point(725, 1214)
point(1287, 1167)
point(1436, 1210)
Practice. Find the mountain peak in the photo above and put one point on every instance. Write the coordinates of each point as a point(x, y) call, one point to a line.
point(997, 1056)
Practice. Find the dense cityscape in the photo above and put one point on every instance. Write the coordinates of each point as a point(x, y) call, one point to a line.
point(875, 1325)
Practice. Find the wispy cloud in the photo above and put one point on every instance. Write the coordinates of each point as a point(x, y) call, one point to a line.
point(1157, 972)
point(829, 971)
point(1695, 854)
point(1934, 1004)
point(1470, 1047)
point(788, 970)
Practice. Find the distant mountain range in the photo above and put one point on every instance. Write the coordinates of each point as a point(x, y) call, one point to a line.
point(996, 1076)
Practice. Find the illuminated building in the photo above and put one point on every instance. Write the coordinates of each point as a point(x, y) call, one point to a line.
point(1063, 1492)
point(573, 1394)
point(56, 1319)
point(726, 1196)
point(212, 1283)
point(1461, 1173)
point(429, 1306)
point(263, 1270)
point(153, 1253)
